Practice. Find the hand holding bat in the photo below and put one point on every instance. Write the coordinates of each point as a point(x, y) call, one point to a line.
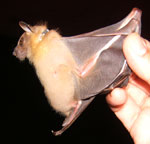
point(132, 103)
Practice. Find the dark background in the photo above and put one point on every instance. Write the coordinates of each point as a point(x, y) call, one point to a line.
point(30, 119)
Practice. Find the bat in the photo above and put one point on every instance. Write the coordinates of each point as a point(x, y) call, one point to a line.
point(73, 70)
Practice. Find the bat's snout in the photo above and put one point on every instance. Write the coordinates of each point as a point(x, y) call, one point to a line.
point(14, 52)
point(20, 54)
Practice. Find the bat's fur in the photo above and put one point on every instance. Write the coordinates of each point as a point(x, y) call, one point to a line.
point(53, 63)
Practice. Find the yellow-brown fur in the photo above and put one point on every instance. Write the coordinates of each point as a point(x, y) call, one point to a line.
point(54, 65)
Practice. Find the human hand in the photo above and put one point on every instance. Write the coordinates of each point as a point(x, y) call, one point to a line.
point(131, 104)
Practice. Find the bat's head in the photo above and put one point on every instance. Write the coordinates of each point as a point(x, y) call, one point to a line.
point(29, 40)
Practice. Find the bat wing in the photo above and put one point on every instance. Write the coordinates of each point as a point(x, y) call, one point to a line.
point(135, 14)
point(100, 60)
point(103, 50)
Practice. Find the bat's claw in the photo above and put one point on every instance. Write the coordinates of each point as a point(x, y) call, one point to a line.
point(57, 133)
point(68, 120)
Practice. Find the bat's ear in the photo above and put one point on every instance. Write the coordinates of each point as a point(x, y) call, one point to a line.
point(26, 27)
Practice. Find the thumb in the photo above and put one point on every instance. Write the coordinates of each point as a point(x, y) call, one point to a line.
point(137, 53)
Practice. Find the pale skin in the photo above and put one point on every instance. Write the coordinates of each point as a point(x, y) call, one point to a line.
point(131, 104)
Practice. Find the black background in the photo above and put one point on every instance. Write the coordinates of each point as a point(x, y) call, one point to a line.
point(30, 119)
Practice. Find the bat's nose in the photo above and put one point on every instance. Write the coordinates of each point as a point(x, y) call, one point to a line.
point(19, 53)
point(14, 52)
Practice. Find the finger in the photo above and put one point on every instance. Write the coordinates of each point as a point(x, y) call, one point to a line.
point(116, 99)
point(137, 89)
point(123, 106)
point(141, 129)
point(137, 53)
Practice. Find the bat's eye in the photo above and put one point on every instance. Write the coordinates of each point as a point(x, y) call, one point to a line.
point(21, 41)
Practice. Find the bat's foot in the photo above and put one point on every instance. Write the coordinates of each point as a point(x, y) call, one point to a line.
point(68, 120)
point(72, 114)
point(57, 133)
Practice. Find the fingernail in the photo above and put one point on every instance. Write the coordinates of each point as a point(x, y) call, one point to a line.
point(141, 46)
